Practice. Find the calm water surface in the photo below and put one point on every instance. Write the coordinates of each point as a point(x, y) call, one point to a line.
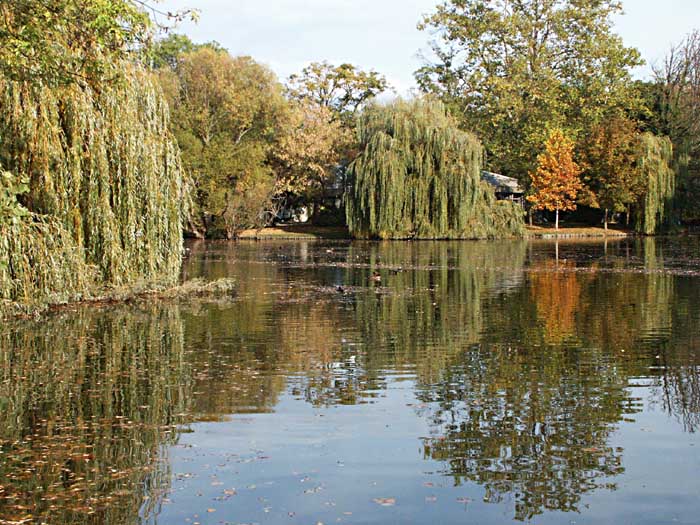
point(474, 383)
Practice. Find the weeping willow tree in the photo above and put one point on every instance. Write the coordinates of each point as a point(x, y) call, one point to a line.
point(104, 194)
point(655, 163)
point(418, 176)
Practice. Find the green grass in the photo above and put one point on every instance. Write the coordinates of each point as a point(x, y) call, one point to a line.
point(300, 232)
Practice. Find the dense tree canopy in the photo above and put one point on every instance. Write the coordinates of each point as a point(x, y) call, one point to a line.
point(99, 176)
point(249, 149)
point(227, 113)
point(309, 150)
point(610, 153)
point(511, 69)
point(674, 98)
point(92, 191)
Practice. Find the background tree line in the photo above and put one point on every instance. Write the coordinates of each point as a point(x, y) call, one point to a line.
point(521, 75)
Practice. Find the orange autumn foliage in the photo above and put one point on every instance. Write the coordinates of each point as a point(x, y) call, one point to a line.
point(557, 293)
point(556, 181)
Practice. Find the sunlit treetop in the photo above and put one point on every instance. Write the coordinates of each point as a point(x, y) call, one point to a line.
point(65, 41)
point(343, 89)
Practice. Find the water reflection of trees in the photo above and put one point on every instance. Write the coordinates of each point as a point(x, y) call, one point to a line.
point(521, 362)
point(529, 423)
point(528, 410)
point(88, 402)
point(434, 301)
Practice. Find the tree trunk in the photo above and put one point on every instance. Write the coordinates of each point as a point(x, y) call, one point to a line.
point(605, 220)
point(556, 223)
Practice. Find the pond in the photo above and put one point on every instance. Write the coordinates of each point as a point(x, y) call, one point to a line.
point(369, 383)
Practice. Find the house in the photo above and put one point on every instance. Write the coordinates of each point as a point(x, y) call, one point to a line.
point(506, 188)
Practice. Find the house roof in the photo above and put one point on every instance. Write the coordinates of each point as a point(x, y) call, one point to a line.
point(502, 183)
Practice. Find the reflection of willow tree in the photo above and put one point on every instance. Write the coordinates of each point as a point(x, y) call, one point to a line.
point(434, 307)
point(87, 403)
point(234, 356)
point(246, 350)
point(679, 392)
point(678, 384)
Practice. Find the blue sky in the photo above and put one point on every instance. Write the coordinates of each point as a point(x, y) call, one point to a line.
point(381, 34)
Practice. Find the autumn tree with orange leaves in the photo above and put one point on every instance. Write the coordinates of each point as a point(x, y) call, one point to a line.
point(556, 181)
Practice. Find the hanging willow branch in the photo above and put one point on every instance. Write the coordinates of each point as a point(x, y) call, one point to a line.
point(655, 159)
point(105, 184)
point(418, 176)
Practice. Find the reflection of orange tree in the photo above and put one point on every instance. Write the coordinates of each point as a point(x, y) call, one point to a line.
point(87, 402)
point(556, 291)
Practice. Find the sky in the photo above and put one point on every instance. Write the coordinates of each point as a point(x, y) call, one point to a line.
point(286, 35)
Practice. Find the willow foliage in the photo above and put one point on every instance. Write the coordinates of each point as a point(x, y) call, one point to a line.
point(655, 161)
point(418, 176)
point(105, 186)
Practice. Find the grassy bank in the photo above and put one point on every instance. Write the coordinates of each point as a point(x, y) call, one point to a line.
point(304, 232)
point(300, 232)
point(538, 232)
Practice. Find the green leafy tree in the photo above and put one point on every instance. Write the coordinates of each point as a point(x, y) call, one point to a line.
point(166, 52)
point(227, 114)
point(419, 176)
point(511, 69)
point(64, 41)
point(655, 161)
point(10, 189)
point(611, 151)
point(344, 89)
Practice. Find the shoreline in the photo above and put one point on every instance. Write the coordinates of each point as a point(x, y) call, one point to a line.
point(539, 232)
point(302, 232)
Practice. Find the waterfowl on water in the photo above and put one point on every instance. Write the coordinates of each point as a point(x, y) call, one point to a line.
point(376, 277)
